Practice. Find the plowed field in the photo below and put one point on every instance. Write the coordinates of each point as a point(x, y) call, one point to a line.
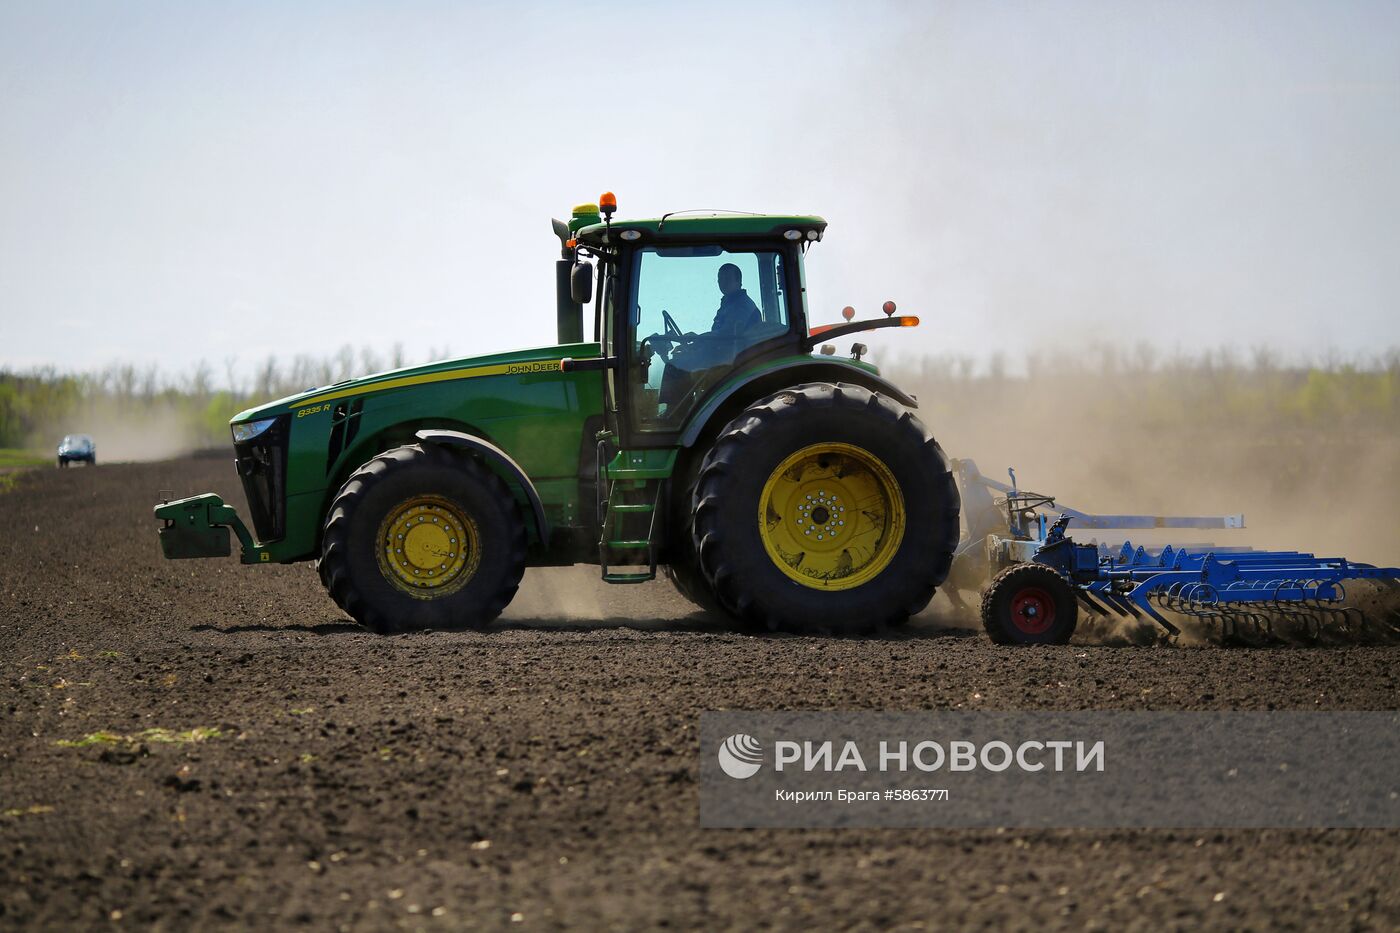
point(197, 744)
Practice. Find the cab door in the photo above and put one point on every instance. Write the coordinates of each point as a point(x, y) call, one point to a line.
point(686, 317)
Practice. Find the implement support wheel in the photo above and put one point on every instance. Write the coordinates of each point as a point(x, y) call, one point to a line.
point(1029, 604)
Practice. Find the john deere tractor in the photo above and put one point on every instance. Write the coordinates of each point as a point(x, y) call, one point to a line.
point(708, 427)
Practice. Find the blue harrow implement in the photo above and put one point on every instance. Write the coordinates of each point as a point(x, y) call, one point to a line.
point(1034, 578)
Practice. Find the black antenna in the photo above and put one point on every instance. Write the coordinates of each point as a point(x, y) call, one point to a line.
point(703, 210)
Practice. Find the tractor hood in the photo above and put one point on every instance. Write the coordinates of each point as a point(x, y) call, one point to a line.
point(516, 362)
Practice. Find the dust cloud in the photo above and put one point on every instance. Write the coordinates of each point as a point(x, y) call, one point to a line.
point(124, 432)
point(565, 597)
point(1205, 439)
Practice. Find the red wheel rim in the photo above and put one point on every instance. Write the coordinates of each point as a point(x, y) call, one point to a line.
point(1032, 610)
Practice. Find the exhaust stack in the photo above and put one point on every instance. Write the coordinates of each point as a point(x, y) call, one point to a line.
point(569, 313)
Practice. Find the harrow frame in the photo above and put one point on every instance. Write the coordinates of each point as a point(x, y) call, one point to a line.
point(1234, 587)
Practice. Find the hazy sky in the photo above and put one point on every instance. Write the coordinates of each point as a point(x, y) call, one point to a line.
point(190, 180)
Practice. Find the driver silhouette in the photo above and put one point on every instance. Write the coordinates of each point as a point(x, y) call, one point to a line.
point(695, 353)
point(737, 312)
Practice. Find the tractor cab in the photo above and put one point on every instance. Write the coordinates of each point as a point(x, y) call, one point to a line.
point(683, 301)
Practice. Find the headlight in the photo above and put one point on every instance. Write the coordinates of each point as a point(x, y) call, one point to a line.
point(251, 429)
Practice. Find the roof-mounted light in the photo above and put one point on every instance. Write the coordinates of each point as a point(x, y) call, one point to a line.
point(812, 234)
point(607, 203)
point(630, 235)
point(792, 234)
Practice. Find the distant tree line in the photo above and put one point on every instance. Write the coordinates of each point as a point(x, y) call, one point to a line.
point(1178, 391)
point(36, 404)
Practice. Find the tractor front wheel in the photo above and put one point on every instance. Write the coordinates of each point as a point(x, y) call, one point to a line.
point(1030, 604)
point(422, 538)
point(825, 508)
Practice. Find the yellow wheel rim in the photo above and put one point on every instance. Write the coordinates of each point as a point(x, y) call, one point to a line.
point(428, 547)
point(831, 516)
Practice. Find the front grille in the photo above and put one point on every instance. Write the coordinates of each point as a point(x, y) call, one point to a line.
point(262, 463)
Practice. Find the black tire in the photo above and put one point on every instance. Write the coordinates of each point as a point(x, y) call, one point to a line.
point(749, 584)
point(350, 564)
point(1016, 604)
point(62, 463)
point(683, 563)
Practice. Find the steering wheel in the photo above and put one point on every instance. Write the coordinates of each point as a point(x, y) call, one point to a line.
point(672, 330)
point(666, 344)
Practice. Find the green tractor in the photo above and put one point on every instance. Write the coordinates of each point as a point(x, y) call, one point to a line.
point(776, 482)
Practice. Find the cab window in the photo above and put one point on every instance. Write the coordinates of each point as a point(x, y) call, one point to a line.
point(694, 310)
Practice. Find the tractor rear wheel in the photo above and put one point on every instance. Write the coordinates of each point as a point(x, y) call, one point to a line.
point(825, 508)
point(422, 538)
point(1029, 604)
point(683, 564)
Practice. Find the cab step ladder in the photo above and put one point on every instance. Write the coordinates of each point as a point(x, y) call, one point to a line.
point(629, 504)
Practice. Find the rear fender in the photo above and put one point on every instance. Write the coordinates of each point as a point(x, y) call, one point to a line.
point(734, 398)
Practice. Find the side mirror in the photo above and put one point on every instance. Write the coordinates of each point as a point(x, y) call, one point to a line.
point(581, 283)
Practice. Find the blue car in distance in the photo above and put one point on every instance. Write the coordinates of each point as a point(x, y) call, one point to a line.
point(77, 447)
